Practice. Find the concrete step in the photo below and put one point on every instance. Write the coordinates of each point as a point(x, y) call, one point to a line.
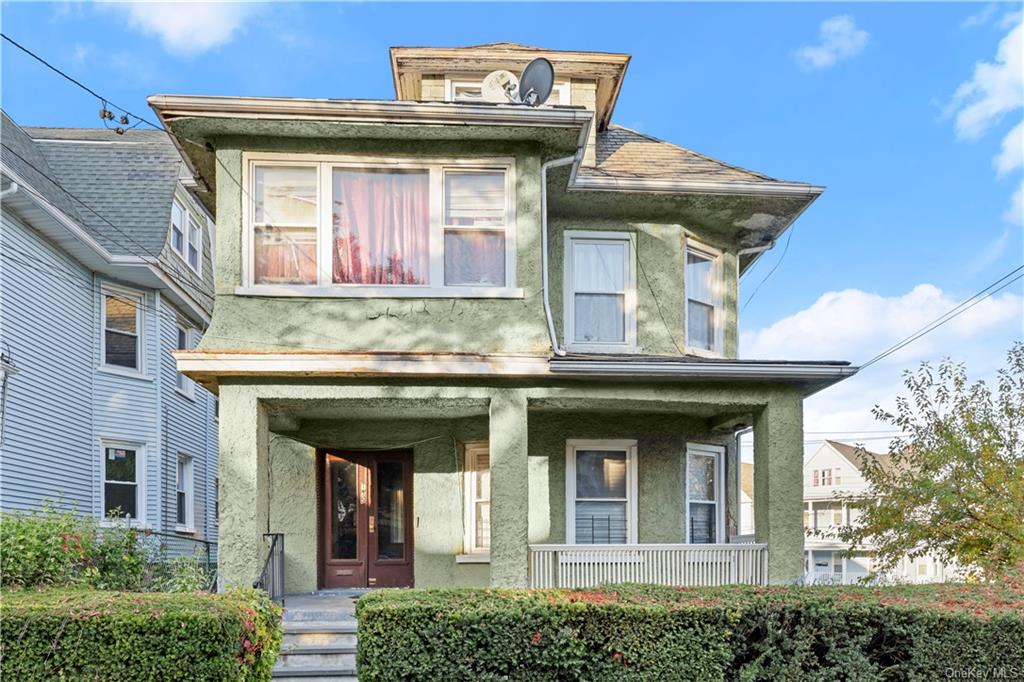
point(314, 614)
point(322, 657)
point(339, 626)
point(318, 639)
point(315, 674)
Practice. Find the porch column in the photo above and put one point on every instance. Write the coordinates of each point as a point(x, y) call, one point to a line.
point(243, 486)
point(510, 488)
point(778, 484)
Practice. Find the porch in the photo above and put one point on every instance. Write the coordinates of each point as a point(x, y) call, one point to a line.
point(585, 483)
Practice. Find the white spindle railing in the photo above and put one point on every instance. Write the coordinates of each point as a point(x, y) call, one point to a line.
point(680, 565)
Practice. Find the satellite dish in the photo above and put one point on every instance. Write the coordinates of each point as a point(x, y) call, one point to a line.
point(536, 82)
point(499, 87)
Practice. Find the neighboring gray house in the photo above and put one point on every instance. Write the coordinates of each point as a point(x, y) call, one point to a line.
point(106, 267)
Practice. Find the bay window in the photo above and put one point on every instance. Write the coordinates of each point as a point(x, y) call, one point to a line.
point(360, 226)
point(600, 478)
point(704, 307)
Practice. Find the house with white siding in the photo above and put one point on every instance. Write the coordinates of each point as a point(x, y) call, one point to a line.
point(106, 266)
point(832, 479)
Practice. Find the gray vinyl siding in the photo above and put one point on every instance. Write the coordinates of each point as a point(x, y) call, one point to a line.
point(64, 403)
point(46, 312)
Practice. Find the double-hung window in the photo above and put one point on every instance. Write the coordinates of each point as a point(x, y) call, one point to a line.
point(178, 214)
point(122, 480)
point(600, 479)
point(478, 498)
point(195, 245)
point(704, 308)
point(122, 329)
point(184, 342)
point(600, 291)
point(705, 517)
point(184, 497)
point(360, 227)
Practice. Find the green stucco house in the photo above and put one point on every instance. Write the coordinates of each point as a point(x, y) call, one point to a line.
point(459, 342)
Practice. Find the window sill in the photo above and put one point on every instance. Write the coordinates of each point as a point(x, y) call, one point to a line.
point(185, 394)
point(184, 529)
point(137, 525)
point(300, 291)
point(476, 558)
point(616, 348)
point(123, 372)
point(704, 353)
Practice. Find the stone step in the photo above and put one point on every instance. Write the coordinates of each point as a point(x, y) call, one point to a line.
point(326, 615)
point(318, 639)
point(339, 626)
point(324, 657)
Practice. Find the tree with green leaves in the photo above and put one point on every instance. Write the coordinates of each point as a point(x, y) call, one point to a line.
point(953, 483)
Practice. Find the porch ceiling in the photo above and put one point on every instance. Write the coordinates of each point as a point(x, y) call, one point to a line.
point(286, 411)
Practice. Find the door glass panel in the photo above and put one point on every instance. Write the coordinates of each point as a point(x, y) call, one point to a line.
point(390, 511)
point(343, 509)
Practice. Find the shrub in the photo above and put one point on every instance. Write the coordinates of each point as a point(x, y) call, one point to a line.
point(43, 548)
point(639, 632)
point(79, 634)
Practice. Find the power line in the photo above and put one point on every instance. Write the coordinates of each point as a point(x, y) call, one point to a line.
point(963, 307)
point(785, 249)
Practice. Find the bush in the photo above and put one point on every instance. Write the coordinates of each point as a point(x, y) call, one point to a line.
point(49, 547)
point(79, 634)
point(643, 632)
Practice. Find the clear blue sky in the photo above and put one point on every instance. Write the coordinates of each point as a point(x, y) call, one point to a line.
point(914, 196)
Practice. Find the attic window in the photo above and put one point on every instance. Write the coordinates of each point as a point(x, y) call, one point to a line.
point(469, 90)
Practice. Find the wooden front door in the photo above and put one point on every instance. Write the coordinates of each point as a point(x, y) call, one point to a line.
point(366, 519)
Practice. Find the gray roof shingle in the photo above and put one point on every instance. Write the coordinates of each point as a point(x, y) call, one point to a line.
point(128, 180)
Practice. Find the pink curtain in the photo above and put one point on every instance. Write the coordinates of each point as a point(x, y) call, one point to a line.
point(381, 223)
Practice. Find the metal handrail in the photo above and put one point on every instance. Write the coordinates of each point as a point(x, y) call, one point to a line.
point(271, 578)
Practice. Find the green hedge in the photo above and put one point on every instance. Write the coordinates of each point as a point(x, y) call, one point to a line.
point(91, 635)
point(642, 632)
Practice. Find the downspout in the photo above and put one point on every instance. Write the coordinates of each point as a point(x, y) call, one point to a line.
point(554, 163)
point(11, 189)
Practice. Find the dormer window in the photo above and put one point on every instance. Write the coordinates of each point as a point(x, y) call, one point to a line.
point(371, 226)
point(186, 236)
point(468, 89)
point(704, 307)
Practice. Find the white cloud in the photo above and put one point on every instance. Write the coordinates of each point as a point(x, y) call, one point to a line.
point(1011, 156)
point(995, 90)
point(187, 28)
point(838, 39)
point(1015, 213)
point(980, 18)
point(855, 325)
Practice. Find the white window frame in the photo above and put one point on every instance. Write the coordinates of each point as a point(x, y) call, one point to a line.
point(718, 273)
point(718, 452)
point(325, 287)
point(140, 479)
point(572, 446)
point(189, 489)
point(195, 229)
point(561, 91)
point(183, 384)
point(572, 237)
point(183, 228)
point(470, 475)
point(139, 299)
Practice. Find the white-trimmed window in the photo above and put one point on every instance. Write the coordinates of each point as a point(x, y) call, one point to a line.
point(469, 89)
point(478, 498)
point(600, 492)
point(826, 477)
point(122, 323)
point(184, 495)
point(600, 291)
point(178, 218)
point(705, 328)
point(386, 227)
point(184, 342)
point(195, 245)
point(705, 494)
point(122, 473)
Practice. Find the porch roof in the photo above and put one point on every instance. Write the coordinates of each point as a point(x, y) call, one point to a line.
point(208, 367)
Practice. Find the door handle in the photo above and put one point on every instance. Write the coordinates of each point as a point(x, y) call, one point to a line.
point(371, 523)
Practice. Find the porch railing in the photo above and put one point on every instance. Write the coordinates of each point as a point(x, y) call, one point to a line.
point(271, 578)
point(680, 565)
